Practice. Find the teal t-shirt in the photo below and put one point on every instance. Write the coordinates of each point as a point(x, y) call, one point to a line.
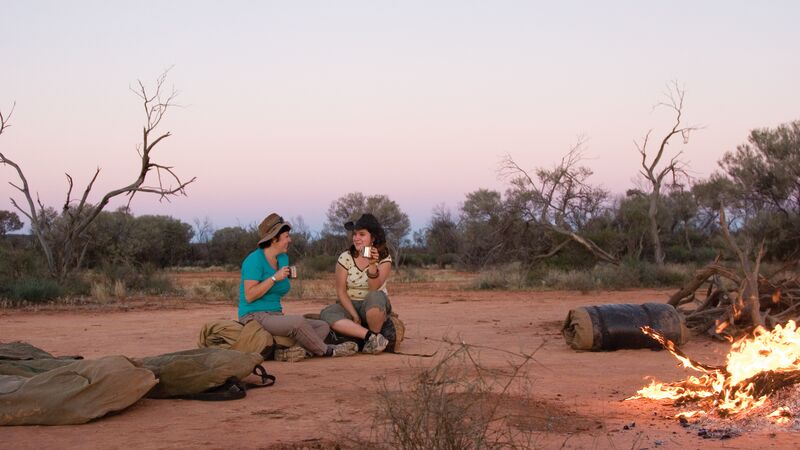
point(256, 267)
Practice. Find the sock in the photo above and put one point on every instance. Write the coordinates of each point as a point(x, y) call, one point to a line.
point(369, 333)
point(329, 351)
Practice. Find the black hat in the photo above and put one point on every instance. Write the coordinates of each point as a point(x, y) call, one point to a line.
point(370, 223)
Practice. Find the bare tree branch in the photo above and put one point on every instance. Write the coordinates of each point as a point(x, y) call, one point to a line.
point(559, 199)
point(655, 175)
point(66, 253)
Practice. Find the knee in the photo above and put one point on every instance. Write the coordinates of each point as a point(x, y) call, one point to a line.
point(297, 323)
point(376, 300)
point(324, 327)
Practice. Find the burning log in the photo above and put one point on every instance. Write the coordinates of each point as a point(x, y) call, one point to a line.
point(756, 367)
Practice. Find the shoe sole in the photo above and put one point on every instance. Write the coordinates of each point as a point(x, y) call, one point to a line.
point(374, 351)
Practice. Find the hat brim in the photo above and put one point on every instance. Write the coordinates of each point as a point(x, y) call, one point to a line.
point(275, 231)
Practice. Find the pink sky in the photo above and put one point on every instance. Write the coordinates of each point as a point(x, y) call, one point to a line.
point(288, 106)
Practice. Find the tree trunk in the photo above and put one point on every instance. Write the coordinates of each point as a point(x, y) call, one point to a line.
point(652, 214)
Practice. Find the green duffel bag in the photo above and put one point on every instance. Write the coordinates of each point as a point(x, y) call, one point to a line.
point(190, 372)
point(73, 393)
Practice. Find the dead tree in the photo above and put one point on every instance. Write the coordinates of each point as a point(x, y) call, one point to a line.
point(655, 173)
point(559, 199)
point(64, 254)
point(754, 299)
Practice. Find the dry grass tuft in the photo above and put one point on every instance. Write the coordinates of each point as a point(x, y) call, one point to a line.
point(457, 403)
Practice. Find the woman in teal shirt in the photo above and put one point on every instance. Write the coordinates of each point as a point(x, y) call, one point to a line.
point(265, 281)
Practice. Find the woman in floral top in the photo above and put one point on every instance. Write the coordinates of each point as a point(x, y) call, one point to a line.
point(362, 299)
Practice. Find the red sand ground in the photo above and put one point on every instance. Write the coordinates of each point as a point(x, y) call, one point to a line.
point(578, 396)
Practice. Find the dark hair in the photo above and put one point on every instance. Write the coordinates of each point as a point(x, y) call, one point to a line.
point(370, 223)
point(266, 244)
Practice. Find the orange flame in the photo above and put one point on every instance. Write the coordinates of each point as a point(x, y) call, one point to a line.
point(781, 415)
point(755, 366)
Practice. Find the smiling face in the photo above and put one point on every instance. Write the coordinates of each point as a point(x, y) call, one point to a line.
point(361, 239)
point(281, 243)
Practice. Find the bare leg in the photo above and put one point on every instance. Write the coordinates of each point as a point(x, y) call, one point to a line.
point(375, 319)
point(349, 328)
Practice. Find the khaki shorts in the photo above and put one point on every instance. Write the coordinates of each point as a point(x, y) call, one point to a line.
point(375, 299)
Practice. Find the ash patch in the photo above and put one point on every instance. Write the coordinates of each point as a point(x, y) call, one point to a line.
point(780, 413)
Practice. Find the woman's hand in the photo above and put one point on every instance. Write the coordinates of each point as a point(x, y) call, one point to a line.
point(354, 317)
point(374, 255)
point(282, 273)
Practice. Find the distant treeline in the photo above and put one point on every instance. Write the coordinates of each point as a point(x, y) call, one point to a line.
point(553, 217)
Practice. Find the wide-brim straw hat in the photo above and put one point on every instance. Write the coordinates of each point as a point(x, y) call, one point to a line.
point(270, 227)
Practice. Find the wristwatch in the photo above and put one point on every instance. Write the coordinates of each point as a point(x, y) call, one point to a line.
point(274, 280)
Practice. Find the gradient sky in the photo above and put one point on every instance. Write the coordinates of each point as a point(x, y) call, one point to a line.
point(287, 106)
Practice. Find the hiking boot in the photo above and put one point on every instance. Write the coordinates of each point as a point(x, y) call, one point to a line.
point(375, 344)
point(292, 354)
point(347, 348)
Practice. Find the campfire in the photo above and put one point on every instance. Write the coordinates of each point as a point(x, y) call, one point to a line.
point(757, 367)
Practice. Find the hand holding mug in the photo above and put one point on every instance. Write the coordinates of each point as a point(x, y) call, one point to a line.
point(282, 273)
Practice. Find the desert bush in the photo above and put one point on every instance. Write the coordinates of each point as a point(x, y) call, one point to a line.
point(446, 259)
point(574, 280)
point(76, 285)
point(99, 291)
point(680, 254)
point(312, 288)
point(509, 276)
point(669, 275)
point(145, 279)
point(411, 260)
point(217, 289)
point(312, 267)
point(409, 275)
point(34, 290)
point(203, 269)
point(607, 276)
point(454, 404)
point(630, 274)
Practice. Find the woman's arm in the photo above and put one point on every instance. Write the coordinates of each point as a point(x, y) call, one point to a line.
point(341, 292)
point(254, 289)
point(382, 270)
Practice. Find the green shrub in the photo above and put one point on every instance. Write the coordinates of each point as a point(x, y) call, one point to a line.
point(76, 285)
point(446, 259)
point(409, 275)
point(313, 266)
point(509, 276)
point(573, 280)
point(145, 279)
point(670, 275)
point(608, 276)
point(411, 260)
point(34, 290)
point(226, 289)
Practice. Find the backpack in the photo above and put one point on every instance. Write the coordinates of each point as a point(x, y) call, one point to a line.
point(249, 338)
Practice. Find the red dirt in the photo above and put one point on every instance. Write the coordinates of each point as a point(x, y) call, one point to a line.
point(577, 397)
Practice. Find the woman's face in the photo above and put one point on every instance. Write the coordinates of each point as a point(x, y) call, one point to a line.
point(361, 239)
point(282, 244)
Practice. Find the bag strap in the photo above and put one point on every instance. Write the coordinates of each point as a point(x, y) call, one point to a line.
point(266, 379)
point(233, 388)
